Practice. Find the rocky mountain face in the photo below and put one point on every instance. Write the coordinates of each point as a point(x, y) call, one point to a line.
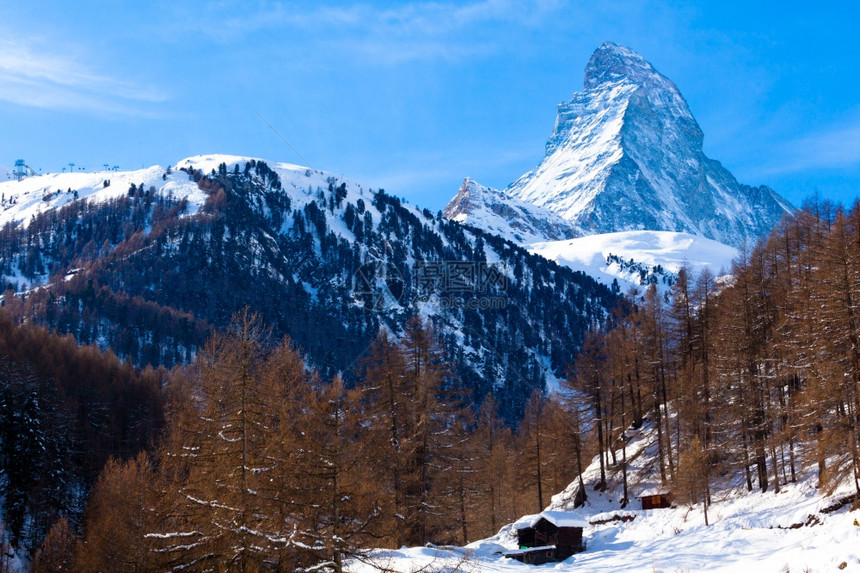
point(498, 213)
point(626, 154)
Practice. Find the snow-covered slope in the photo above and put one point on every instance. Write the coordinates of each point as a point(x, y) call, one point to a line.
point(626, 154)
point(796, 530)
point(632, 257)
point(32, 195)
point(495, 212)
point(21, 200)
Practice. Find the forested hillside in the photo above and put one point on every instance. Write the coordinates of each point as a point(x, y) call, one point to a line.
point(151, 276)
point(64, 411)
point(751, 378)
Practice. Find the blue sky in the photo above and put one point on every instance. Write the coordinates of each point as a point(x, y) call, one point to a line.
point(414, 96)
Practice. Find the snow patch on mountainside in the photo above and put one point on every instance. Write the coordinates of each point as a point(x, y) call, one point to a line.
point(20, 201)
point(302, 184)
point(585, 144)
point(639, 251)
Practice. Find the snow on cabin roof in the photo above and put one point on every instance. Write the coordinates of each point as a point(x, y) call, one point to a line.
point(557, 518)
point(656, 490)
point(526, 521)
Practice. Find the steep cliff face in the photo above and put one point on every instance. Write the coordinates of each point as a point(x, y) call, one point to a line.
point(626, 154)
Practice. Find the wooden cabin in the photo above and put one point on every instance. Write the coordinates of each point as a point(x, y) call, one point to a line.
point(656, 499)
point(548, 537)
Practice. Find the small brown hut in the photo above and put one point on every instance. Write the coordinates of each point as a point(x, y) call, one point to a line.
point(656, 499)
point(548, 536)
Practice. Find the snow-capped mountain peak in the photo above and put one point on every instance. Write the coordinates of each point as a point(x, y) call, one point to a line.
point(626, 154)
point(611, 63)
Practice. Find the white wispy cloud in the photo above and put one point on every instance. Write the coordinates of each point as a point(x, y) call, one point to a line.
point(836, 147)
point(386, 35)
point(412, 18)
point(33, 75)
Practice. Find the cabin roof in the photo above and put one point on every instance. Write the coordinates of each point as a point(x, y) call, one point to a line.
point(649, 491)
point(557, 518)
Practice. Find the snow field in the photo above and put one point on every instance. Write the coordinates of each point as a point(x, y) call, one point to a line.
point(669, 249)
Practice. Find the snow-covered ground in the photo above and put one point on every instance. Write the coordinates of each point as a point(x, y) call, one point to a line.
point(645, 248)
point(748, 534)
point(760, 532)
